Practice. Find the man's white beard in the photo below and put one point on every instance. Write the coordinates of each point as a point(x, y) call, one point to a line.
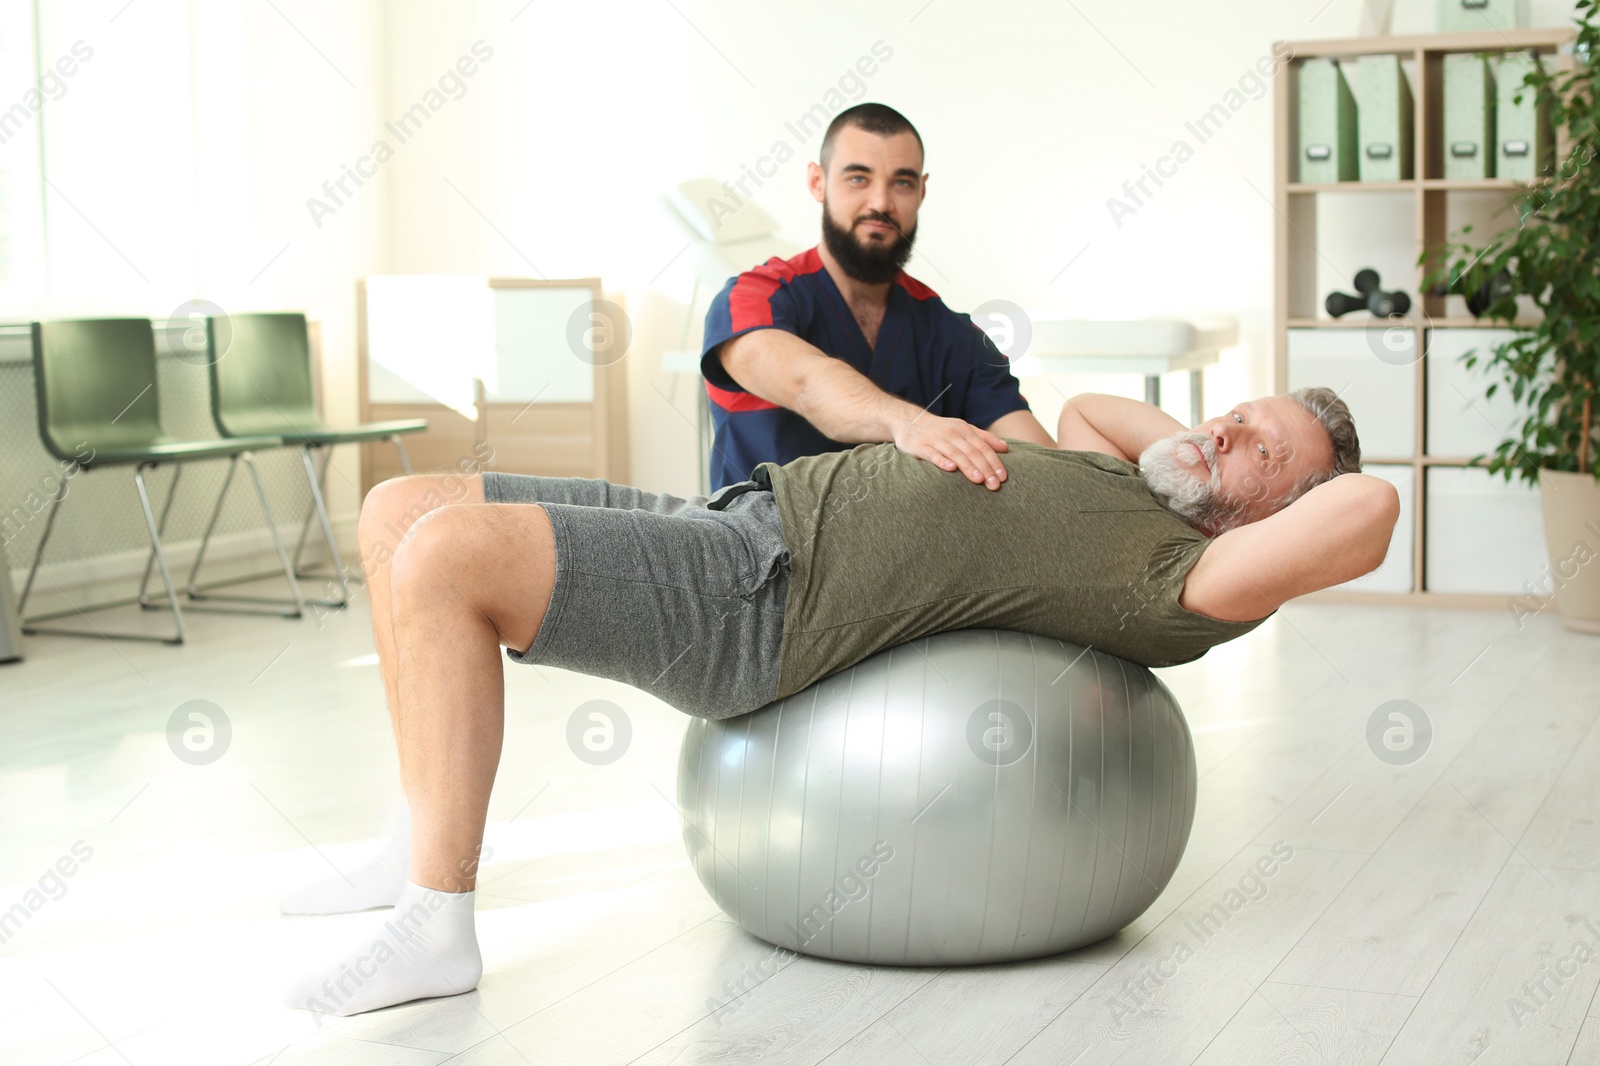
point(1194, 494)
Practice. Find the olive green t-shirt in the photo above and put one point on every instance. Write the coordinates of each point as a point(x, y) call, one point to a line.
point(886, 548)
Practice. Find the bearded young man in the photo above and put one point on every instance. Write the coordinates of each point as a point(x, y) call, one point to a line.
point(839, 346)
point(719, 605)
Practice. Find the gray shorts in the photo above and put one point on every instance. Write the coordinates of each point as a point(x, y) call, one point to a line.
point(659, 592)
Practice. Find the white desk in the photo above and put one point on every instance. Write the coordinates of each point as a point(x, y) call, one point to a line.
point(1149, 346)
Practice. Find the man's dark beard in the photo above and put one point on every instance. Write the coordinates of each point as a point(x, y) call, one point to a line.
point(875, 264)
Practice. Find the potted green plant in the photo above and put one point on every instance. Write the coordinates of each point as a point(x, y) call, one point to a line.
point(1551, 365)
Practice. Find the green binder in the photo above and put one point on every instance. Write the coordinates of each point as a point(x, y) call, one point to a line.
point(1463, 16)
point(1522, 131)
point(1385, 120)
point(1328, 136)
point(1469, 112)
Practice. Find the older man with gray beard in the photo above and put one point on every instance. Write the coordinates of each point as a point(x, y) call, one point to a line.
point(721, 605)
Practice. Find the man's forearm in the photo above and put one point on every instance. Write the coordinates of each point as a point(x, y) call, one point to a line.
point(1075, 434)
point(846, 406)
point(842, 403)
point(1092, 420)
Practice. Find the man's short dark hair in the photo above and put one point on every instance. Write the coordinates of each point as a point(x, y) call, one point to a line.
point(880, 119)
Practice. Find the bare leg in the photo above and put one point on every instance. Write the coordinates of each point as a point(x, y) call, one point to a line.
point(387, 515)
point(465, 580)
point(390, 510)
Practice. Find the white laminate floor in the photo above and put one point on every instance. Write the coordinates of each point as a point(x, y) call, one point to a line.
point(1445, 910)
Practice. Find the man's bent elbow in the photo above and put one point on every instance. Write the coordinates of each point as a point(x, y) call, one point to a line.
point(1382, 513)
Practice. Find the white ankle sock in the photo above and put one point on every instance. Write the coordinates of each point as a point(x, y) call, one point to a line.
point(427, 947)
point(376, 883)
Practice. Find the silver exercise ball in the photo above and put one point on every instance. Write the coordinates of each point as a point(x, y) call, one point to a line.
point(971, 797)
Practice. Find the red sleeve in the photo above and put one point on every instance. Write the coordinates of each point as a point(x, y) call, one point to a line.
point(757, 299)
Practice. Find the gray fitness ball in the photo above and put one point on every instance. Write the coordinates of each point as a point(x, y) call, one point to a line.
point(972, 797)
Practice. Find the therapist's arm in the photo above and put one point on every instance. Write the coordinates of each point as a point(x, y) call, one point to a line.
point(1021, 425)
point(1114, 425)
point(846, 406)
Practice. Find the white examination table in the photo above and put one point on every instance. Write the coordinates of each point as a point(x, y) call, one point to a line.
point(1147, 346)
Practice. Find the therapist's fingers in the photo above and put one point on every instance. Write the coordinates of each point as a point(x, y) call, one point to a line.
point(986, 446)
point(946, 457)
point(975, 458)
point(953, 444)
point(999, 444)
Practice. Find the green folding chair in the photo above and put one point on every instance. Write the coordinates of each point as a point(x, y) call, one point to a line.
point(95, 381)
point(261, 384)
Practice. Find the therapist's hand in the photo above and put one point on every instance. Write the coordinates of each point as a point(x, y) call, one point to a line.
point(952, 444)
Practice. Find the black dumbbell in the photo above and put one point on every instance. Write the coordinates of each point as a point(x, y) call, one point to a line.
point(1382, 304)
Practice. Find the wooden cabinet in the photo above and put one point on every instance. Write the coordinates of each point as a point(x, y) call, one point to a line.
point(513, 374)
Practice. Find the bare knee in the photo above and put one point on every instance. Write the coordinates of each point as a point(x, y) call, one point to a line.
point(392, 507)
point(500, 560)
point(436, 553)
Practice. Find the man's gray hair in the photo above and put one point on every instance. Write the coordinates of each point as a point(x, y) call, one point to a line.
point(1334, 418)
